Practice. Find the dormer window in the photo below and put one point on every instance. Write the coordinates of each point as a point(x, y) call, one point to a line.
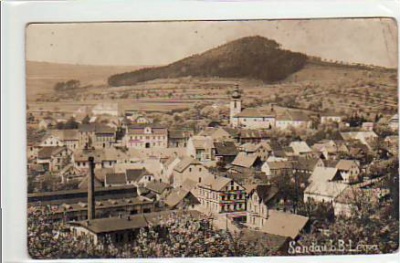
point(147, 130)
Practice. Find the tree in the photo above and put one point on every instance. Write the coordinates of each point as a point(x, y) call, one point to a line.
point(71, 124)
point(86, 120)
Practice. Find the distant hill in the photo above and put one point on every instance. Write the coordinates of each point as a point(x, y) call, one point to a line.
point(250, 57)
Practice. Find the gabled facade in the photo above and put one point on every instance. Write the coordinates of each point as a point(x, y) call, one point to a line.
point(201, 148)
point(259, 201)
point(219, 194)
point(146, 136)
point(54, 159)
point(189, 169)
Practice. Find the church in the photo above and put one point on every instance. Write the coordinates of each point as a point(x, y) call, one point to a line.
point(250, 118)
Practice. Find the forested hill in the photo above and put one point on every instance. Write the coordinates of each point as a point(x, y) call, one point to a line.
point(250, 57)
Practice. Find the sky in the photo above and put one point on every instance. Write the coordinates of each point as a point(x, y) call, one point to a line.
point(367, 41)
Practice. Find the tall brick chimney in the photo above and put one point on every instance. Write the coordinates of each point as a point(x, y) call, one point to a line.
point(91, 200)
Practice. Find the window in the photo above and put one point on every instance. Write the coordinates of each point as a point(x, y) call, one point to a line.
point(200, 169)
point(199, 179)
point(190, 169)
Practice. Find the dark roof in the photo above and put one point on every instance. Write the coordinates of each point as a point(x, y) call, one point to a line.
point(273, 242)
point(115, 178)
point(293, 116)
point(114, 224)
point(47, 152)
point(87, 127)
point(277, 149)
point(214, 124)
point(158, 187)
point(227, 148)
point(180, 134)
point(233, 132)
point(256, 112)
point(135, 174)
point(104, 129)
point(266, 192)
point(264, 134)
point(302, 163)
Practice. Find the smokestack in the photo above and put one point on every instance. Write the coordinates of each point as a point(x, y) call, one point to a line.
point(91, 200)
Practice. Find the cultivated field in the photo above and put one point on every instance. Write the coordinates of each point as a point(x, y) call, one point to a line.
point(328, 88)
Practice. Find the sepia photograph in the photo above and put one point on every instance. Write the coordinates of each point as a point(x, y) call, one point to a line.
point(230, 138)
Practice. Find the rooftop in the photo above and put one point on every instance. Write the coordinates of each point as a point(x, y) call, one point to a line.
point(114, 224)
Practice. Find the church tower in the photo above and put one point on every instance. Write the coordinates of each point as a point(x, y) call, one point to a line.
point(235, 106)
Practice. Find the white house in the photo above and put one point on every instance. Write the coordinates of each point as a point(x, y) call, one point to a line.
point(259, 201)
point(325, 185)
point(146, 136)
point(330, 117)
point(300, 148)
point(189, 168)
point(106, 109)
point(296, 119)
point(221, 195)
point(348, 169)
point(201, 148)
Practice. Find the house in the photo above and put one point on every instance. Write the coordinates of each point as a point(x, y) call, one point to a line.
point(104, 158)
point(225, 151)
point(325, 185)
point(349, 202)
point(367, 126)
point(201, 148)
point(300, 148)
point(146, 136)
point(259, 200)
point(168, 168)
point(189, 168)
point(394, 122)
point(85, 181)
point(104, 136)
point(86, 135)
point(123, 229)
point(247, 161)
point(233, 132)
point(67, 137)
point(179, 138)
point(306, 166)
point(160, 189)
point(54, 159)
point(276, 149)
point(295, 119)
point(263, 150)
point(217, 134)
point(106, 109)
point(327, 117)
point(330, 149)
point(349, 170)
point(50, 140)
point(115, 179)
point(181, 199)
point(277, 168)
point(250, 118)
point(138, 177)
point(219, 194)
point(365, 137)
point(47, 123)
point(142, 120)
point(284, 224)
point(253, 136)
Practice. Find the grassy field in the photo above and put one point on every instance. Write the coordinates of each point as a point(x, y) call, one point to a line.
point(339, 88)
